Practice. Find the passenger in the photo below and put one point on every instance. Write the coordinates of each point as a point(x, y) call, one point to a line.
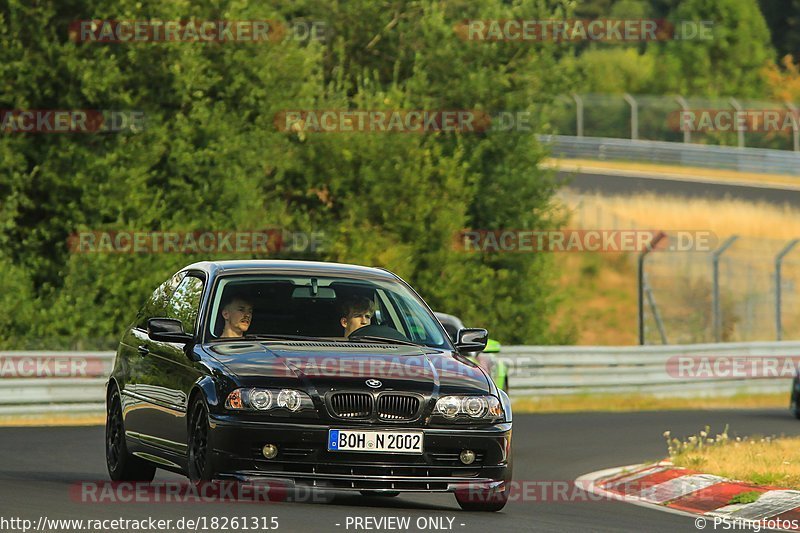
point(238, 313)
point(356, 312)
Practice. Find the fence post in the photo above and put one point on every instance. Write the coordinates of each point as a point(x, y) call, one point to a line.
point(715, 303)
point(634, 115)
point(640, 280)
point(778, 261)
point(795, 130)
point(654, 309)
point(687, 133)
point(578, 114)
point(739, 131)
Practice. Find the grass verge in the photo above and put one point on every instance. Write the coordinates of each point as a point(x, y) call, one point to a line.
point(45, 420)
point(722, 175)
point(653, 211)
point(765, 461)
point(641, 402)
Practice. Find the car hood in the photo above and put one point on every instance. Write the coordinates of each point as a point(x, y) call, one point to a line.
point(329, 366)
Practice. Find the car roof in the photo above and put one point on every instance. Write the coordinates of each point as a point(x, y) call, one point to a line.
point(281, 266)
point(444, 318)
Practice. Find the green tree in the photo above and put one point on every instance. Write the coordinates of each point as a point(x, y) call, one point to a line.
point(730, 63)
point(211, 156)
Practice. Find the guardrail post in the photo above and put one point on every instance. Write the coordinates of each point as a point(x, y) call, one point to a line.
point(739, 131)
point(715, 301)
point(795, 129)
point(578, 114)
point(634, 115)
point(687, 134)
point(778, 262)
point(640, 276)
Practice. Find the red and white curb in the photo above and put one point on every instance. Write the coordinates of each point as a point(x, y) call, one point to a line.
point(679, 490)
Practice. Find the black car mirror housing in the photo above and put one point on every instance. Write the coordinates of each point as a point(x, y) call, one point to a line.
point(167, 330)
point(472, 339)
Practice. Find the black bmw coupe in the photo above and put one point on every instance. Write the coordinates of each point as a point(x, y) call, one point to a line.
point(317, 374)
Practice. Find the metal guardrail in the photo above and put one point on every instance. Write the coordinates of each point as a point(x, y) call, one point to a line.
point(73, 382)
point(559, 370)
point(53, 382)
point(699, 155)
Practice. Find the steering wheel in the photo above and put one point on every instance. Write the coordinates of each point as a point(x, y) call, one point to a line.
point(373, 330)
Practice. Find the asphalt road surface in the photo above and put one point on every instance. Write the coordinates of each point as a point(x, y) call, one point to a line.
point(624, 185)
point(41, 471)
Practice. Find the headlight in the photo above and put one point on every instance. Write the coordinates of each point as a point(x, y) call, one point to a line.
point(448, 406)
point(486, 408)
point(265, 400)
point(475, 406)
point(261, 399)
point(289, 399)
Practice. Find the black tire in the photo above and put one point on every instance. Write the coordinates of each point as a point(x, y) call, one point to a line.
point(121, 464)
point(200, 464)
point(384, 494)
point(489, 501)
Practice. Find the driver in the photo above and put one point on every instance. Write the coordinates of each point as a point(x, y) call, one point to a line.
point(356, 312)
point(238, 313)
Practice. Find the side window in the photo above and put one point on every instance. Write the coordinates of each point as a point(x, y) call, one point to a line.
point(185, 302)
point(412, 313)
point(385, 314)
point(156, 305)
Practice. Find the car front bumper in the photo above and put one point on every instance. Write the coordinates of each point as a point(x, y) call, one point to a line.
point(303, 458)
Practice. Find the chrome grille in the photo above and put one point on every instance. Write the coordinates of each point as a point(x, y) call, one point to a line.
point(351, 404)
point(397, 407)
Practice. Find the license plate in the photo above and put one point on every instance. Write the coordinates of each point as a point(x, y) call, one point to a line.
point(345, 440)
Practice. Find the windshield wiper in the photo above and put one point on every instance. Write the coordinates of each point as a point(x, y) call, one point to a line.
point(280, 337)
point(375, 338)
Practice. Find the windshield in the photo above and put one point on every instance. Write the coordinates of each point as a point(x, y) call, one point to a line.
point(330, 308)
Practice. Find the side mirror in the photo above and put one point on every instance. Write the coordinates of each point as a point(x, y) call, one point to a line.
point(472, 339)
point(167, 330)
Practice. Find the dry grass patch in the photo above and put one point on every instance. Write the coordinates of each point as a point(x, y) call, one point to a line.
point(642, 402)
point(767, 461)
point(723, 217)
point(732, 176)
point(599, 293)
point(599, 289)
point(62, 419)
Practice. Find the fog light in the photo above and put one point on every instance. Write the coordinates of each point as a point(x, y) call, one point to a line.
point(270, 451)
point(467, 457)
